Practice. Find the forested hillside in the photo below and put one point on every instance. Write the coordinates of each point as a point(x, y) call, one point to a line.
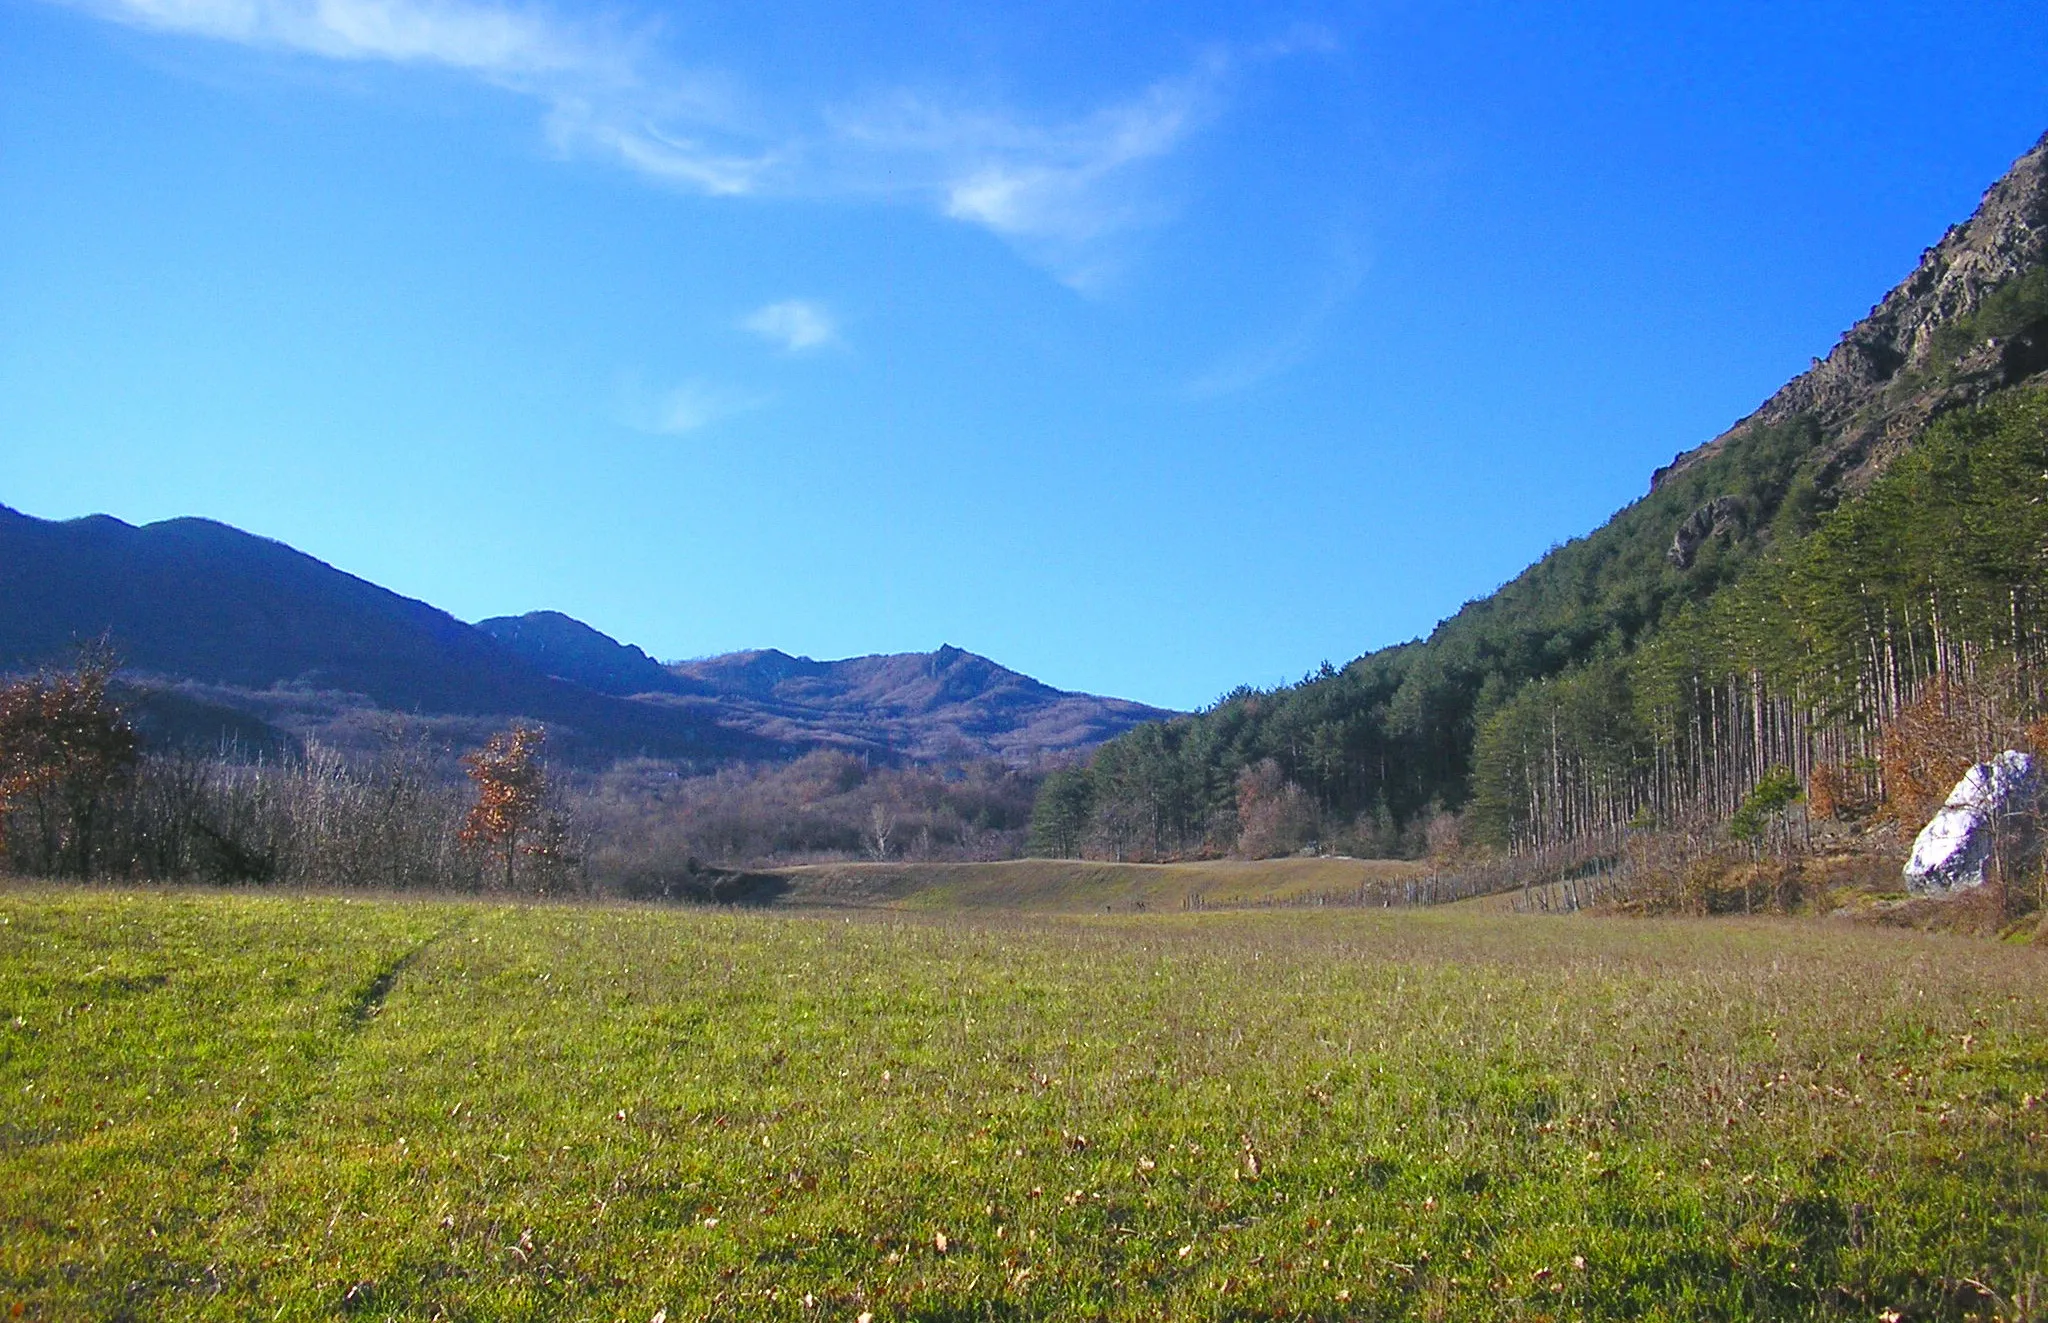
point(1778, 595)
point(1927, 588)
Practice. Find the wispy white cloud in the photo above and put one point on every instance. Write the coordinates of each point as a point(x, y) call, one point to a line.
point(602, 92)
point(1252, 364)
point(688, 407)
point(480, 38)
point(794, 325)
point(1023, 178)
point(1056, 190)
point(660, 153)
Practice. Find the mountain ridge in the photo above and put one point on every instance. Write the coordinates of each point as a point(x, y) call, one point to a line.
point(945, 704)
point(1852, 395)
point(193, 599)
point(232, 622)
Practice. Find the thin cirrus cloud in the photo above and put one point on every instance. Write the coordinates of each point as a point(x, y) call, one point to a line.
point(1253, 364)
point(1056, 191)
point(601, 92)
point(479, 38)
point(793, 325)
point(691, 406)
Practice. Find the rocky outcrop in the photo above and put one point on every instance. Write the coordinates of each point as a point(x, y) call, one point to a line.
point(1990, 805)
point(1723, 514)
point(1896, 370)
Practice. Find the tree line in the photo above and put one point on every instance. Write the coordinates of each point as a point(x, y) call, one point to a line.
point(1370, 754)
point(81, 796)
point(1618, 685)
point(1871, 660)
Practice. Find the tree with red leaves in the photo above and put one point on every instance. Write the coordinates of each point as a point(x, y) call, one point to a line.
point(511, 784)
point(65, 750)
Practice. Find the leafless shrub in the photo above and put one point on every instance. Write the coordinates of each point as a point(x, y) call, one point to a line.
point(1274, 815)
point(649, 819)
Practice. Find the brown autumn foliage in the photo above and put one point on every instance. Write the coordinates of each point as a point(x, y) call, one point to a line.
point(1949, 727)
point(1926, 749)
point(1274, 815)
point(511, 784)
point(66, 752)
point(1831, 792)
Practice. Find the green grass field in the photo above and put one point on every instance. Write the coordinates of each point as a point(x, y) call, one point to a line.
point(1078, 886)
point(276, 1107)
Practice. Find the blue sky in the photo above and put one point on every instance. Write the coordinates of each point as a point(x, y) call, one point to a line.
point(1149, 349)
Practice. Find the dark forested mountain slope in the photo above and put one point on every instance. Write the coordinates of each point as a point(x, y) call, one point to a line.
point(568, 649)
point(194, 600)
point(239, 623)
point(1392, 734)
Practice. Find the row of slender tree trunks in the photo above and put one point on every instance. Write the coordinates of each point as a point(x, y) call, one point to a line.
point(1708, 752)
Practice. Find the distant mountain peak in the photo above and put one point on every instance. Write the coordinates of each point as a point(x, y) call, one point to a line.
point(568, 649)
point(949, 702)
point(254, 622)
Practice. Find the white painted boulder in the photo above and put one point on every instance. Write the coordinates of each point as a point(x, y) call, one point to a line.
point(1952, 849)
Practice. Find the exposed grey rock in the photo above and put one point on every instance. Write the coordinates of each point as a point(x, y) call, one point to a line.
point(1952, 849)
point(1719, 515)
point(1890, 374)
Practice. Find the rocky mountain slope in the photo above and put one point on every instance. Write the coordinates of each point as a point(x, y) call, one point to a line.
point(1913, 357)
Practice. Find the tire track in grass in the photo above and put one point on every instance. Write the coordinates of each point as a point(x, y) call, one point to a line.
point(358, 1011)
point(364, 1004)
point(246, 1201)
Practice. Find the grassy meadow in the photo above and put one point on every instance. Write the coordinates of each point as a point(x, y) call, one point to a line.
point(1093, 886)
point(277, 1107)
